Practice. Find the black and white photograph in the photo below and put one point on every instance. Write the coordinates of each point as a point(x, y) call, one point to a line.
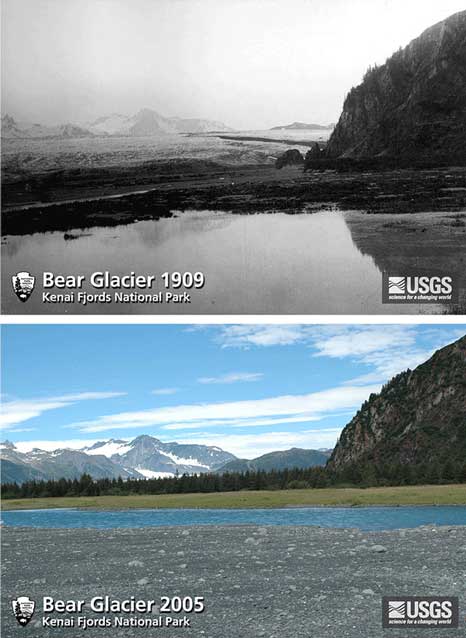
point(233, 157)
point(233, 319)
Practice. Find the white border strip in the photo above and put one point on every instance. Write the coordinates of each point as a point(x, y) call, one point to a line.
point(232, 319)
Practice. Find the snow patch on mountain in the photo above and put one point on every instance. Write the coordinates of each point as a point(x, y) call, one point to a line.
point(181, 461)
point(108, 448)
point(150, 474)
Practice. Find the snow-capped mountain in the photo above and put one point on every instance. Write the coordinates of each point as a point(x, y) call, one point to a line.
point(61, 463)
point(196, 125)
point(143, 457)
point(145, 123)
point(148, 456)
point(12, 129)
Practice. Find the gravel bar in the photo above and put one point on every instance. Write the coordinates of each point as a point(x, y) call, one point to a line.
point(276, 582)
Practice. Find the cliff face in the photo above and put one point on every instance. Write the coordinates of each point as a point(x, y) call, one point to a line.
point(412, 106)
point(418, 417)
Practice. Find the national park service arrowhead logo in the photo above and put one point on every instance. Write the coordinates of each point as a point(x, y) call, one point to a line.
point(23, 608)
point(23, 285)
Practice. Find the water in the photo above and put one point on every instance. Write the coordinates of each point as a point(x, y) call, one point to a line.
point(364, 518)
point(253, 264)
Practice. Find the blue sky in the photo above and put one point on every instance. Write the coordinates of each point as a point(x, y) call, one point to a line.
point(249, 389)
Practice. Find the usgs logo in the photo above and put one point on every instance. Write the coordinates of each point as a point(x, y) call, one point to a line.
point(422, 285)
point(419, 288)
point(416, 611)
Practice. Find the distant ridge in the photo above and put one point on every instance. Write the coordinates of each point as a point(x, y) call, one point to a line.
point(145, 123)
point(301, 126)
point(143, 457)
point(293, 458)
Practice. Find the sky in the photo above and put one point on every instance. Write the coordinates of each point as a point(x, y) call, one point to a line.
point(250, 63)
point(249, 389)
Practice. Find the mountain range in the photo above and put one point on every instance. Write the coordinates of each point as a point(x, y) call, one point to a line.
point(145, 123)
point(302, 126)
point(143, 457)
point(418, 417)
point(280, 460)
point(414, 105)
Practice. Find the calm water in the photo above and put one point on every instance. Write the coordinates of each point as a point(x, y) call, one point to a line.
point(365, 518)
point(253, 264)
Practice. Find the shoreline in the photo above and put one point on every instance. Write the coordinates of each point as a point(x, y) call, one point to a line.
point(227, 526)
point(100, 198)
point(84, 508)
point(423, 495)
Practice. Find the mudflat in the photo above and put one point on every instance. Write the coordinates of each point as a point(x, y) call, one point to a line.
point(74, 199)
point(287, 582)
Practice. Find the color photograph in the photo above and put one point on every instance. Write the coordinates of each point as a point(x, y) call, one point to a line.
point(235, 480)
point(233, 319)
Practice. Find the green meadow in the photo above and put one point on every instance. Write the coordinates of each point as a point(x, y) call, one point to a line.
point(349, 497)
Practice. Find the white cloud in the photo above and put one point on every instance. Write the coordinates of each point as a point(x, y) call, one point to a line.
point(248, 423)
point(385, 349)
point(353, 341)
point(241, 336)
point(388, 349)
point(17, 430)
point(309, 406)
point(253, 445)
point(17, 411)
point(50, 446)
point(164, 391)
point(238, 423)
point(233, 377)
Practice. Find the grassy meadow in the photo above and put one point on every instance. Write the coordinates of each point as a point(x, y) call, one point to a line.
point(348, 497)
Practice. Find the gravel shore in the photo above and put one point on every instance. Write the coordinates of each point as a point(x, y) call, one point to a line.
point(287, 582)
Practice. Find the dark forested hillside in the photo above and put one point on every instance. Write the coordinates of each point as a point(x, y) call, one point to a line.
point(419, 417)
point(412, 106)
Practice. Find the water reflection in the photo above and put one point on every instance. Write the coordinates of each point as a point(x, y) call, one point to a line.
point(253, 264)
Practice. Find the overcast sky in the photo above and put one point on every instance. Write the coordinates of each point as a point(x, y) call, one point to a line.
point(249, 389)
point(249, 63)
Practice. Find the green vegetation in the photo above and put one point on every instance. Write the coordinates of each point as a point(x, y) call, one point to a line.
point(409, 495)
point(354, 475)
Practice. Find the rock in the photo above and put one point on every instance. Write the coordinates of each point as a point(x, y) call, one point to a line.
point(314, 152)
point(368, 592)
point(411, 106)
point(378, 549)
point(291, 157)
point(252, 541)
point(143, 581)
point(380, 427)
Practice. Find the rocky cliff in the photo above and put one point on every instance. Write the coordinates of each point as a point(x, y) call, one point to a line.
point(418, 417)
point(412, 106)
